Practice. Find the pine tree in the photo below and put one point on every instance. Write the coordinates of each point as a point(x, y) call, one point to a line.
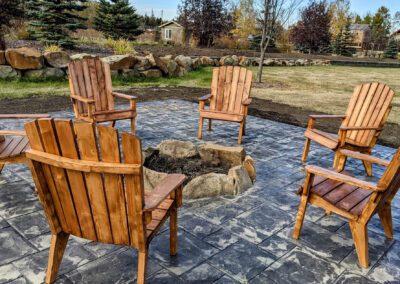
point(347, 41)
point(53, 20)
point(9, 10)
point(117, 19)
point(337, 46)
point(392, 49)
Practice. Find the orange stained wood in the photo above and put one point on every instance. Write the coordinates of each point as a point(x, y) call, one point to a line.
point(100, 205)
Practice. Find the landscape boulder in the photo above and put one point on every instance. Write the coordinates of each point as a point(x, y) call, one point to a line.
point(7, 72)
point(185, 62)
point(206, 61)
point(162, 64)
point(245, 61)
point(209, 185)
point(2, 57)
point(218, 154)
point(58, 59)
point(129, 73)
point(269, 62)
point(226, 61)
point(152, 73)
point(120, 62)
point(177, 149)
point(180, 71)
point(196, 63)
point(250, 167)
point(142, 63)
point(152, 178)
point(45, 73)
point(171, 65)
point(80, 56)
point(24, 58)
point(242, 179)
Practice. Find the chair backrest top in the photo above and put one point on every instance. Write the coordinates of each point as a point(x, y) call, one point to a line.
point(391, 178)
point(229, 88)
point(80, 191)
point(369, 107)
point(91, 78)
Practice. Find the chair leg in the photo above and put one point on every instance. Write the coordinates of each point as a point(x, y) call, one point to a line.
point(241, 130)
point(133, 126)
point(200, 132)
point(142, 265)
point(368, 168)
point(173, 232)
point(244, 127)
point(1, 167)
point(385, 214)
point(209, 124)
point(336, 159)
point(360, 237)
point(342, 162)
point(306, 150)
point(57, 248)
point(300, 217)
point(113, 123)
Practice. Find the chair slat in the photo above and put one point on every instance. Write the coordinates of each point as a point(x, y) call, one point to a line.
point(326, 187)
point(214, 89)
point(339, 193)
point(221, 88)
point(88, 82)
point(95, 84)
point(75, 86)
point(101, 84)
point(11, 146)
point(227, 88)
point(66, 138)
point(234, 89)
point(353, 199)
point(108, 87)
point(94, 182)
point(246, 90)
point(114, 185)
point(358, 105)
point(50, 145)
point(131, 146)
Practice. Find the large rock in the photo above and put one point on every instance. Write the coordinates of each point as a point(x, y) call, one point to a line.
point(245, 61)
point(59, 59)
point(162, 64)
point(196, 63)
point(152, 178)
point(180, 71)
point(229, 60)
point(7, 72)
point(217, 154)
point(129, 73)
point(242, 179)
point(45, 73)
point(152, 73)
point(142, 63)
point(171, 65)
point(269, 62)
point(209, 185)
point(2, 57)
point(120, 62)
point(185, 62)
point(24, 58)
point(80, 56)
point(206, 61)
point(177, 149)
point(250, 167)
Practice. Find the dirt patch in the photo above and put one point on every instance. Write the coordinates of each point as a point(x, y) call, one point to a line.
point(260, 108)
point(191, 167)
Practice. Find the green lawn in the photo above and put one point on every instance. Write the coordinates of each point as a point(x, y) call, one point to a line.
point(315, 88)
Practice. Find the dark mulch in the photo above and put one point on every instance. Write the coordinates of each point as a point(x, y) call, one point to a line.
point(260, 108)
point(191, 167)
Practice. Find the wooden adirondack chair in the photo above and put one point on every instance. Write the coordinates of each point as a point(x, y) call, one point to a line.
point(353, 199)
point(229, 98)
point(13, 143)
point(92, 96)
point(362, 124)
point(88, 192)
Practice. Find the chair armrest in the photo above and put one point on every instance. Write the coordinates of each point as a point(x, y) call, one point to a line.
point(364, 157)
point(124, 96)
point(327, 116)
point(23, 116)
point(247, 102)
point(82, 99)
point(206, 97)
point(342, 178)
point(12, 132)
point(163, 190)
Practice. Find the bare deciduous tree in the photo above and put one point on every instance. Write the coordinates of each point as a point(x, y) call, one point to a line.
point(272, 14)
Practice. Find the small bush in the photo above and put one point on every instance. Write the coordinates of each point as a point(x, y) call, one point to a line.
point(52, 48)
point(18, 31)
point(89, 36)
point(120, 46)
point(231, 43)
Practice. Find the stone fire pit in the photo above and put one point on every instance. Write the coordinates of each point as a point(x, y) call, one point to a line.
point(212, 169)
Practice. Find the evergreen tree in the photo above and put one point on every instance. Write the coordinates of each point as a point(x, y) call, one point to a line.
point(337, 46)
point(53, 20)
point(9, 10)
point(342, 44)
point(391, 50)
point(117, 19)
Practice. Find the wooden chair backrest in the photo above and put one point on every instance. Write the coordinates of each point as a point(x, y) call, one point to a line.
point(78, 195)
point(91, 78)
point(369, 107)
point(391, 178)
point(229, 88)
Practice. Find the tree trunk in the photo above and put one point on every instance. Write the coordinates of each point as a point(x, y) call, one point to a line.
point(263, 50)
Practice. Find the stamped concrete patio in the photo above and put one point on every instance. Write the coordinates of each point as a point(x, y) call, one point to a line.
point(221, 240)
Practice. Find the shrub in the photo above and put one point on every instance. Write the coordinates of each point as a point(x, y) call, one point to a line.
point(52, 48)
point(231, 43)
point(89, 36)
point(120, 46)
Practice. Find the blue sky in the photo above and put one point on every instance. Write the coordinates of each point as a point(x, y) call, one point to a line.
point(170, 6)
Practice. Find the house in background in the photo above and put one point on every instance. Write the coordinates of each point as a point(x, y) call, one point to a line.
point(172, 33)
point(396, 35)
point(361, 35)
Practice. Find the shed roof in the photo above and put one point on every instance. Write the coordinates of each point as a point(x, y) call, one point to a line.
point(171, 22)
point(362, 27)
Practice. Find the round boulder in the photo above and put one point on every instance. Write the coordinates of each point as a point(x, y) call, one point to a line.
point(209, 185)
point(120, 62)
point(80, 56)
point(59, 59)
point(24, 58)
point(177, 149)
point(152, 73)
point(2, 57)
point(45, 73)
point(185, 62)
point(7, 72)
point(142, 63)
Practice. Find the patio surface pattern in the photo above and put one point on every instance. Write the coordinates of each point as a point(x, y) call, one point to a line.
point(246, 239)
